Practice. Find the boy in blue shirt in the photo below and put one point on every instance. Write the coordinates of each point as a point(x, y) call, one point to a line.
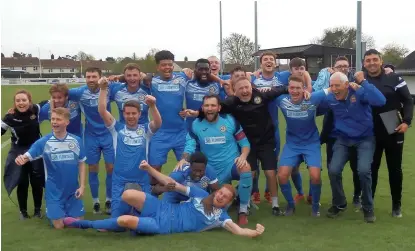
point(64, 156)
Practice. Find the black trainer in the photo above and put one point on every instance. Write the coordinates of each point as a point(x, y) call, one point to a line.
point(97, 208)
point(334, 211)
point(38, 214)
point(396, 211)
point(369, 216)
point(24, 215)
point(276, 211)
point(108, 207)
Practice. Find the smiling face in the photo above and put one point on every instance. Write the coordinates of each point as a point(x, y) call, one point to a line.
point(214, 65)
point(296, 91)
point(202, 72)
point(339, 87)
point(22, 102)
point(223, 197)
point(92, 78)
point(243, 89)
point(268, 63)
point(59, 99)
point(131, 114)
point(373, 64)
point(165, 68)
point(59, 122)
point(197, 171)
point(211, 108)
point(132, 77)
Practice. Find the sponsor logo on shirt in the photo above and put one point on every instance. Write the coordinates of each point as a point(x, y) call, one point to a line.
point(168, 87)
point(133, 141)
point(198, 97)
point(62, 156)
point(295, 114)
point(215, 140)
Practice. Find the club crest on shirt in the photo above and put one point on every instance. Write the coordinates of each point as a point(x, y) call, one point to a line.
point(353, 99)
point(223, 128)
point(72, 105)
point(176, 81)
point(71, 145)
point(140, 132)
point(304, 107)
point(212, 89)
point(203, 183)
point(141, 98)
point(33, 117)
point(257, 100)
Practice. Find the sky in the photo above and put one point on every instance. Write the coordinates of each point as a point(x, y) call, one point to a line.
point(188, 28)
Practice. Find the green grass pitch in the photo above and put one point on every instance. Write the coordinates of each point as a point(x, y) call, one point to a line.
point(300, 232)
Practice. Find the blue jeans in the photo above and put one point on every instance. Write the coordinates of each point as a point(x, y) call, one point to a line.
point(365, 149)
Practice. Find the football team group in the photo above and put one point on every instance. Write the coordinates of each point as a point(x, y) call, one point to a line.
point(221, 128)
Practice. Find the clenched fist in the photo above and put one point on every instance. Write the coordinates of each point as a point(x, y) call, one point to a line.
point(150, 100)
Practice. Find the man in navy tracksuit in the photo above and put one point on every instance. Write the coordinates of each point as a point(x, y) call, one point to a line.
point(353, 126)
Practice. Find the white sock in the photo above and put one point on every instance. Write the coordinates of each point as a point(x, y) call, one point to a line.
point(95, 200)
point(108, 199)
point(243, 208)
point(274, 201)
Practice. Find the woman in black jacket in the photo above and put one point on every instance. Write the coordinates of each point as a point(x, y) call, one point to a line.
point(24, 126)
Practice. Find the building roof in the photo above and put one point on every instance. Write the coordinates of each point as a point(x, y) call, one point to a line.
point(307, 50)
point(53, 63)
point(408, 62)
point(19, 62)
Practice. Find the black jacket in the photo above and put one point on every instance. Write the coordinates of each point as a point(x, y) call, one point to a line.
point(398, 97)
point(24, 126)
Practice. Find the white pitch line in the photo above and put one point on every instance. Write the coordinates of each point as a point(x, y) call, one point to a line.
point(3, 145)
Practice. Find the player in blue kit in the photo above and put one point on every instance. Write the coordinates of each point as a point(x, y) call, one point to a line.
point(130, 145)
point(168, 88)
point(194, 174)
point(131, 90)
point(200, 86)
point(63, 156)
point(302, 140)
point(219, 138)
point(97, 138)
point(59, 94)
point(201, 213)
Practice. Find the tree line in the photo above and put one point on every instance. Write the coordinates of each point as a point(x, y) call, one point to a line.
point(238, 49)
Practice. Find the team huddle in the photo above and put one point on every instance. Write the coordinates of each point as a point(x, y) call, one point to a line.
point(227, 130)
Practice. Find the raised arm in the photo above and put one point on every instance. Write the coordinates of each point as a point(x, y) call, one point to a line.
point(163, 179)
point(237, 230)
point(102, 103)
point(156, 121)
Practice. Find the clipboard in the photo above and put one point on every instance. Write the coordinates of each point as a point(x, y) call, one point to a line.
point(391, 120)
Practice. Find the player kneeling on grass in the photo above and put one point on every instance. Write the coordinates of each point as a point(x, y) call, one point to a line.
point(202, 212)
point(303, 142)
point(63, 155)
point(195, 174)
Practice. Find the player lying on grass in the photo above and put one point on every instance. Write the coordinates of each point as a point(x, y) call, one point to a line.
point(64, 156)
point(194, 174)
point(202, 212)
